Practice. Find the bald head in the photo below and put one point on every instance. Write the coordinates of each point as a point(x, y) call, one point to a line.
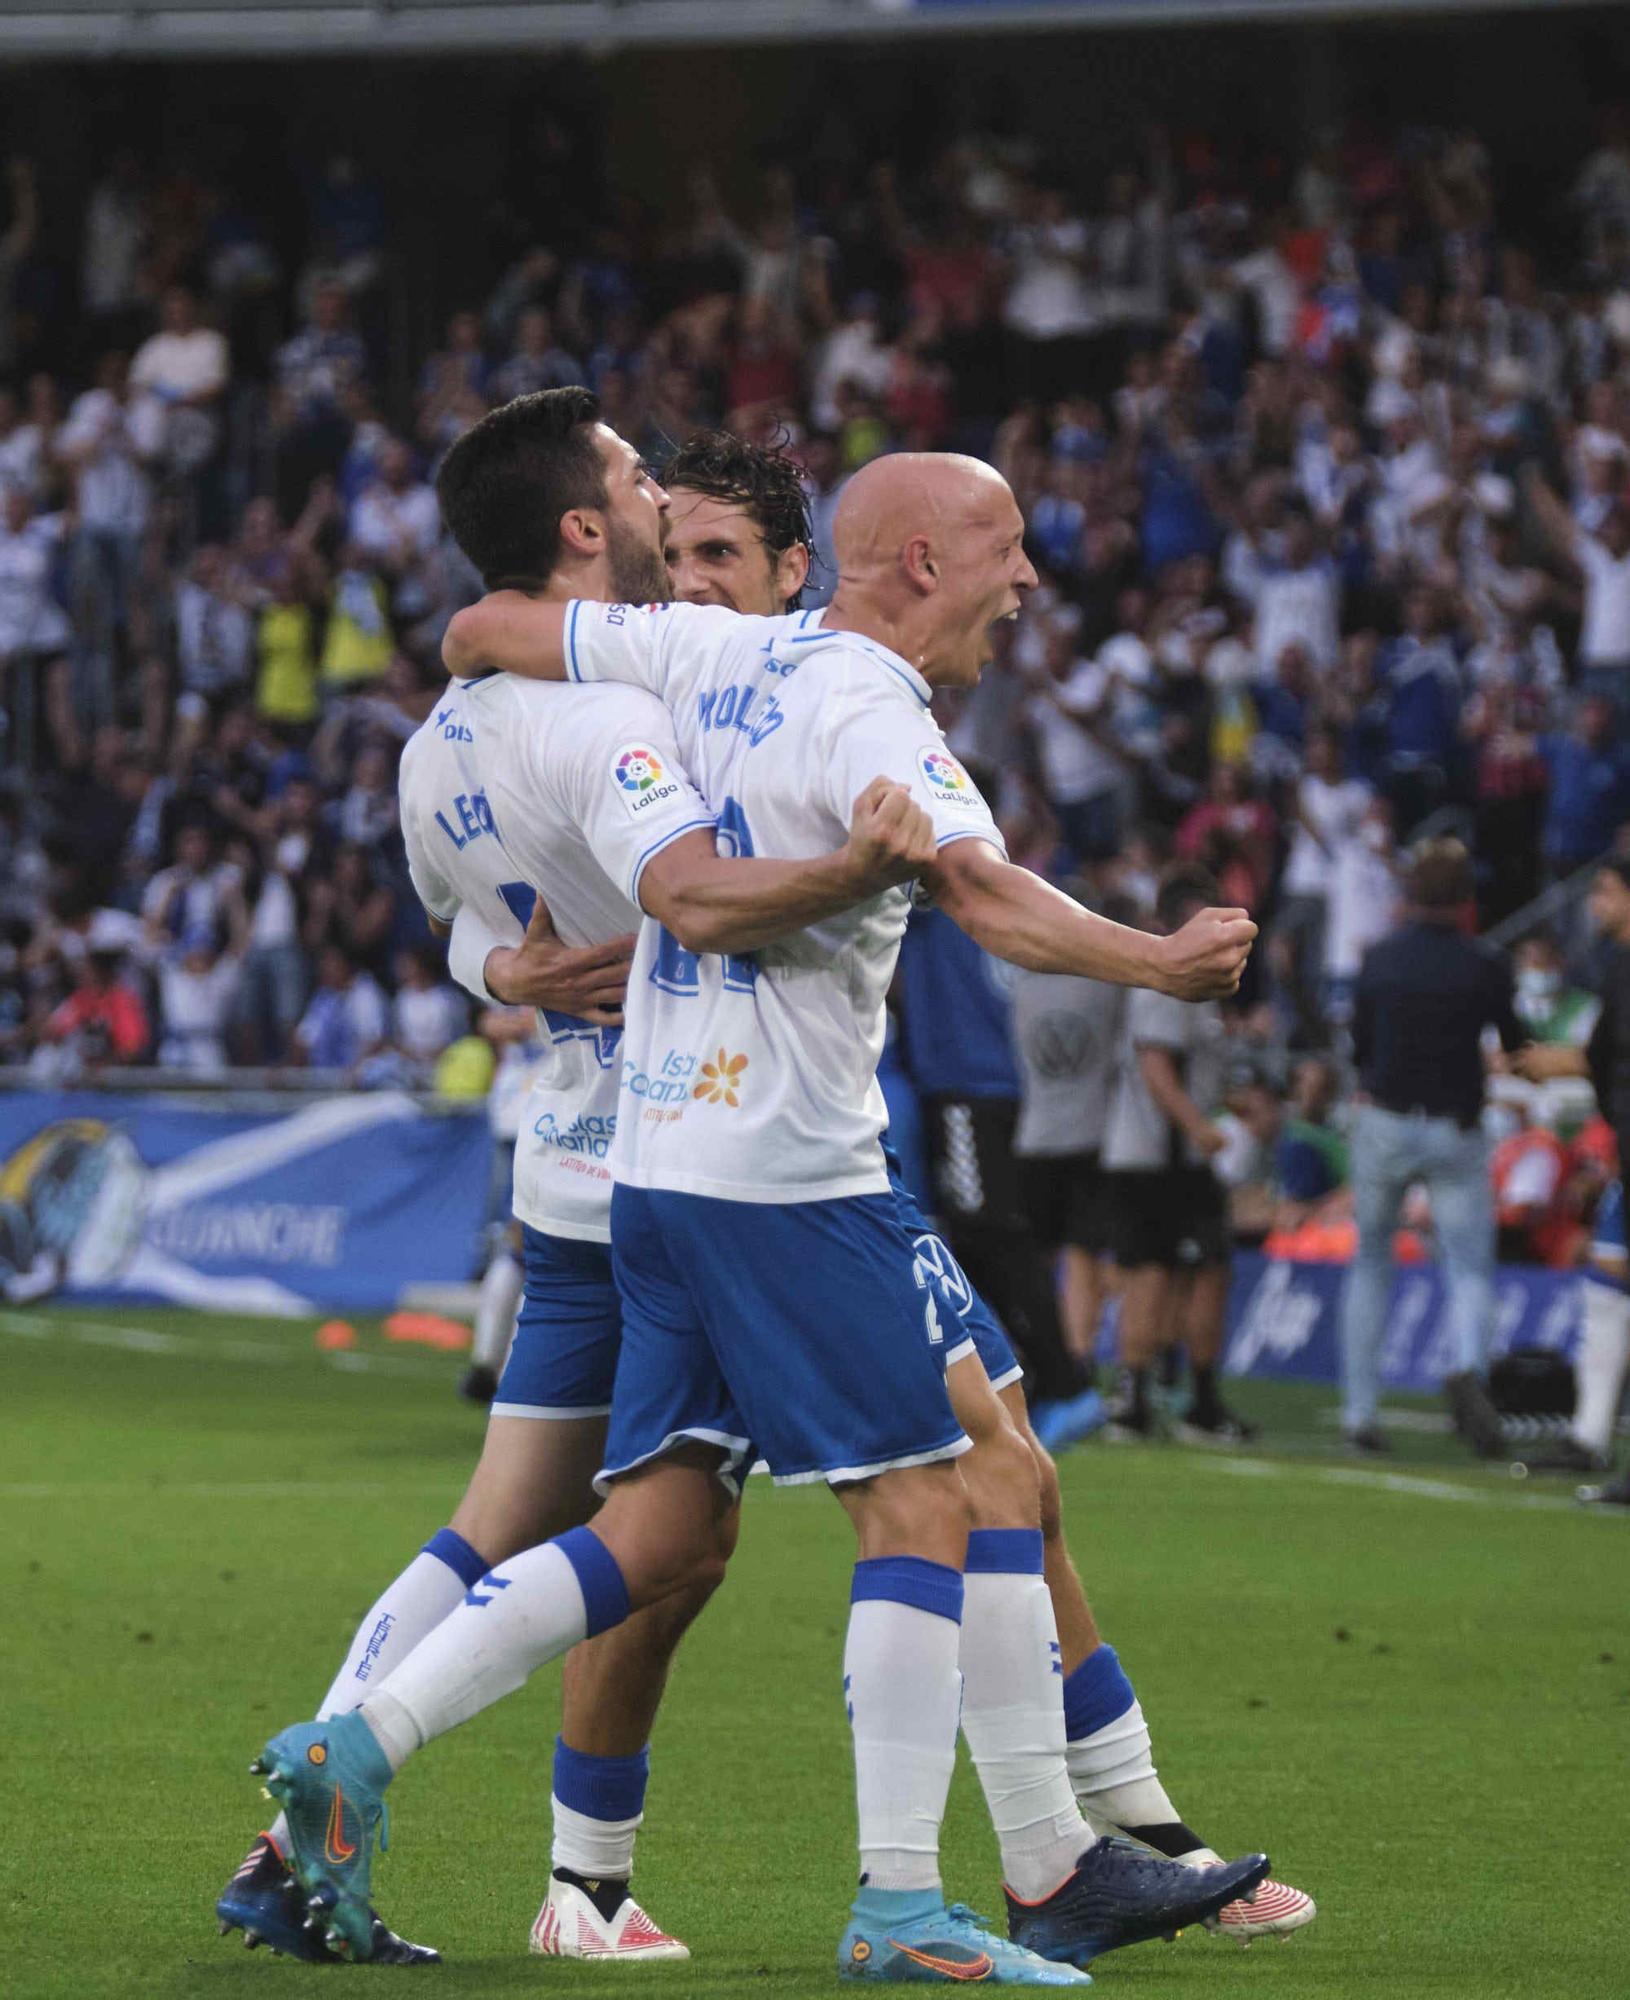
point(909, 494)
point(930, 553)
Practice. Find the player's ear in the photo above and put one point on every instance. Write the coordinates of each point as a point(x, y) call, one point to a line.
point(791, 572)
point(920, 564)
point(582, 531)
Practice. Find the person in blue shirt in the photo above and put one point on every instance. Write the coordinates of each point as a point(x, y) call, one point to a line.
point(1590, 787)
point(1421, 679)
point(956, 1043)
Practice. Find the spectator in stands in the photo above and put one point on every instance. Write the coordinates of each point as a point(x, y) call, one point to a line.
point(180, 377)
point(34, 634)
point(395, 527)
point(346, 1022)
point(537, 361)
point(428, 1013)
point(1601, 553)
point(1589, 797)
point(198, 892)
point(103, 1020)
point(1551, 1010)
point(197, 987)
point(214, 634)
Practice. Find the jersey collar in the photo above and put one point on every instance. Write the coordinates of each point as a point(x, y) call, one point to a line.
point(811, 625)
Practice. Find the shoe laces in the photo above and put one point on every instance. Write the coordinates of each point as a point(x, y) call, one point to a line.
point(960, 1913)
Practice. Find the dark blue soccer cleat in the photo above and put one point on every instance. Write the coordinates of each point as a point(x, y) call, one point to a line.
point(266, 1903)
point(1121, 1894)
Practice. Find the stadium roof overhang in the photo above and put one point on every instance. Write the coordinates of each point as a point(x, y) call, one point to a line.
point(183, 28)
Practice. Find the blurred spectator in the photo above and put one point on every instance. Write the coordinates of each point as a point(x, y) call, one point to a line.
point(346, 1022)
point(1589, 769)
point(103, 1020)
point(428, 1013)
point(1550, 1008)
point(197, 987)
point(34, 633)
point(180, 375)
point(536, 362)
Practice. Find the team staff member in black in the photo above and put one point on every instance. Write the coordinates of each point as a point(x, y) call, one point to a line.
point(1425, 996)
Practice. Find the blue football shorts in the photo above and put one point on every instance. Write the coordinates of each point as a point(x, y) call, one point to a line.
point(805, 1333)
point(564, 1357)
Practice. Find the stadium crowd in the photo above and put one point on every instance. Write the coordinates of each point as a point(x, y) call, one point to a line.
point(1326, 476)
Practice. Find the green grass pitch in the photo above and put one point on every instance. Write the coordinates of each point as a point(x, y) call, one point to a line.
point(1412, 1687)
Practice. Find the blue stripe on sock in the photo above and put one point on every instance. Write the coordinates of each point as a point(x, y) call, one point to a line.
point(1095, 1694)
point(601, 1787)
point(926, 1586)
point(447, 1546)
point(605, 1595)
point(1004, 1552)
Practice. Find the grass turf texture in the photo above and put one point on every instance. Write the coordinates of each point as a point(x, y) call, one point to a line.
point(1416, 1695)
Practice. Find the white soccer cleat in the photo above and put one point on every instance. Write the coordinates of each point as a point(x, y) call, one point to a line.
point(1274, 1911)
point(569, 1926)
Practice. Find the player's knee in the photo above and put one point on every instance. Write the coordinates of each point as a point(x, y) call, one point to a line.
point(1001, 1479)
point(920, 1510)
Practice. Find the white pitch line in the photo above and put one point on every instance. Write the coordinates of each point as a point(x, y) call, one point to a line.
point(215, 1489)
point(148, 1340)
point(1409, 1484)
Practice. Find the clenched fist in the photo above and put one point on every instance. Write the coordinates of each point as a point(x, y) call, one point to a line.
point(1205, 959)
point(891, 838)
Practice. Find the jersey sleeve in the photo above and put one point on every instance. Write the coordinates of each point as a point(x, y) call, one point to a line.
point(467, 950)
point(874, 734)
point(623, 785)
point(667, 649)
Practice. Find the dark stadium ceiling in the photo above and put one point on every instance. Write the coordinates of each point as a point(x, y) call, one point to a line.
point(93, 28)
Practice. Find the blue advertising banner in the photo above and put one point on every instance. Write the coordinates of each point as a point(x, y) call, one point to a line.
point(340, 1203)
point(1285, 1320)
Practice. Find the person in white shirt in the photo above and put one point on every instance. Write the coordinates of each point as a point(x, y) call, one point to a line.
point(34, 631)
point(1330, 809)
point(180, 375)
point(1068, 713)
point(395, 524)
point(427, 1014)
point(197, 987)
point(1603, 559)
point(500, 795)
point(113, 500)
point(1298, 601)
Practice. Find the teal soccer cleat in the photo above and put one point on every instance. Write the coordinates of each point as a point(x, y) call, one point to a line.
point(329, 1778)
point(944, 1947)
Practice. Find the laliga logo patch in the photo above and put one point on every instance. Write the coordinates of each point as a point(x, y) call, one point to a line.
point(947, 782)
point(640, 779)
point(638, 770)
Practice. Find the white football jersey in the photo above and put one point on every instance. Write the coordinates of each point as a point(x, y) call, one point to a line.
point(755, 1079)
point(511, 788)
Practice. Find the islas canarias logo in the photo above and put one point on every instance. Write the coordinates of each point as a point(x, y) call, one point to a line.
point(641, 781)
point(720, 1081)
point(948, 784)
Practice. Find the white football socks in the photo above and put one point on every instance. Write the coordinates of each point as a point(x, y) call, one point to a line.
point(496, 1305)
point(528, 1610)
point(600, 1849)
point(902, 1687)
point(1013, 1711)
point(1604, 1353)
point(407, 1611)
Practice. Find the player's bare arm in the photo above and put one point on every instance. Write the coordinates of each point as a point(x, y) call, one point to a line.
point(508, 632)
point(715, 904)
point(1017, 916)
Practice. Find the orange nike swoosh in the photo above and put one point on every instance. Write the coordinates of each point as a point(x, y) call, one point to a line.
point(970, 1969)
point(335, 1845)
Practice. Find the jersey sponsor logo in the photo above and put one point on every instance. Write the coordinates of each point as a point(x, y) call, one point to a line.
point(589, 1133)
point(721, 1080)
point(947, 782)
point(641, 782)
point(668, 1084)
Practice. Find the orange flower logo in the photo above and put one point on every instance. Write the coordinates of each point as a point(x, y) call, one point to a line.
point(721, 1080)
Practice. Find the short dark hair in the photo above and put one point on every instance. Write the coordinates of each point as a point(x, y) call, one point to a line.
point(1440, 875)
point(1183, 888)
point(759, 479)
point(505, 484)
